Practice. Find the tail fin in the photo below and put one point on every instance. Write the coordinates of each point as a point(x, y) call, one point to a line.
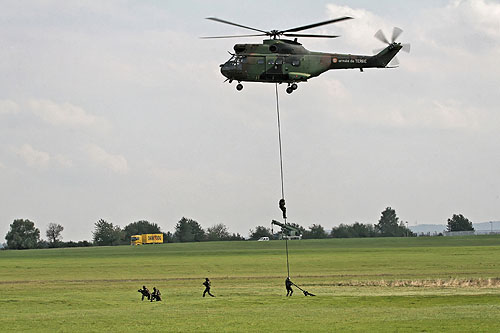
point(386, 55)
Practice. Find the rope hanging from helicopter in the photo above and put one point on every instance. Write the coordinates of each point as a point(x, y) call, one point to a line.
point(282, 200)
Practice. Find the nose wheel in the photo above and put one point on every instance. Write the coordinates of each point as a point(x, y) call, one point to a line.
point(291, 88)
point(239, 87)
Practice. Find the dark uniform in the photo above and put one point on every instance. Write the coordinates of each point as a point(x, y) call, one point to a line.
point(288, 285)
point(207, 287)
point(145, 293)
point(282, 207)
point(156, 295)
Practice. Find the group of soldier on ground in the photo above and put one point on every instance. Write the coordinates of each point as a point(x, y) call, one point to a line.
point(156, 295)
point(151, 296)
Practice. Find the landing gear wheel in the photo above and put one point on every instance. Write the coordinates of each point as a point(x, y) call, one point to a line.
point(239, 87)
point(294, 86)
point(289, 90)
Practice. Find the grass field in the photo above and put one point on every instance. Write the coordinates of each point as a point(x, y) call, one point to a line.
point(363, 285)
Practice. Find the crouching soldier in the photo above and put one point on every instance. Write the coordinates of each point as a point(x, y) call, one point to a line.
point(156, 295)
point(145, 293)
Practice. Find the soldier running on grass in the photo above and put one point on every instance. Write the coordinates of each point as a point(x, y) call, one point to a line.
point(207, 287)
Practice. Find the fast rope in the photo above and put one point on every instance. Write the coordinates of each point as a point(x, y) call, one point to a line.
point(282, 201)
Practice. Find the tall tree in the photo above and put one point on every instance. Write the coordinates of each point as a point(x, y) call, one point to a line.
point(342, 231)
point(106, 233)
point(459, 223)
point(316, 231)
point(22, 235)
point(188, 230)
point(388, 224)
point(259, 232)
point(139, 228)
point(218, 232)
point(236, 237)
point(53, 233)
point(355, 230)
point(362, 230)
point(168, 237)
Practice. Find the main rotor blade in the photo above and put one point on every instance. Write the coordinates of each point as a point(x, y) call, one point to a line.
point(235, 24)
point(309, 35)
point(236, 36)
point(381, 37)
point(406, 48)
point(395, 33)
point(314, 25)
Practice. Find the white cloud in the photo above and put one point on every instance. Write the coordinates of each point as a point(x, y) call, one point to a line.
point(115, 163)
point(480, 15)
point(32, 157)
point(63, 161)
point(451, 114)
point(8, 107)
point(465, 26)
point(65, 115)
point(359, 31)
point(336, 89)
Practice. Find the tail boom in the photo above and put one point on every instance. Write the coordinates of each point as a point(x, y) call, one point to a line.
point(380, 60)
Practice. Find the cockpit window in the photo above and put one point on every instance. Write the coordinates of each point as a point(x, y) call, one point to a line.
point(279, 61)
point(235, 61)
point(295, 62)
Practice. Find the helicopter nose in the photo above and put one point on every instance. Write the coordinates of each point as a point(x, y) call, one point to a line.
point(224, 70)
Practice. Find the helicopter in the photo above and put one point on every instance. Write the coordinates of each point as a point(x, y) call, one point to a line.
point(278, 60)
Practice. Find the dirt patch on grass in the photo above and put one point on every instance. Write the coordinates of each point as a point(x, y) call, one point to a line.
point(435, 283)
point(416, 283)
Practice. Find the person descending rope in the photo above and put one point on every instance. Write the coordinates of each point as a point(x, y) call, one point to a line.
point(207, 287)
point(283, 208)
point(288, 285)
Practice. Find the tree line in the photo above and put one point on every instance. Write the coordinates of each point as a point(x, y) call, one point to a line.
point(24, 235)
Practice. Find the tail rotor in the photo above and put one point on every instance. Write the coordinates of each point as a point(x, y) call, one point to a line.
point(396, 32)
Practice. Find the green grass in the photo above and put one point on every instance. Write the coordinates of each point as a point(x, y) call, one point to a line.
point(363, 285)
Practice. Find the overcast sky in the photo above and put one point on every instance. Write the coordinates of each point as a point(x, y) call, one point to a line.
point(117, 110)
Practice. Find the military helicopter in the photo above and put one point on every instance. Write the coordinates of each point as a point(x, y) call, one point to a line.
point(279, 60)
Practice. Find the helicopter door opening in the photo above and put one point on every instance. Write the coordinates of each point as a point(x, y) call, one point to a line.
point(256, 65)
point(274, 70)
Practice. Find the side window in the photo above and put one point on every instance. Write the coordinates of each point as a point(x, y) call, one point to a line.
point(279, 61)
point(295, 62)
point(270, 62)
point(260, 61)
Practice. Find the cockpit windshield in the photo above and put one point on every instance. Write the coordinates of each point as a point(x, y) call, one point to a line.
point(236, 60)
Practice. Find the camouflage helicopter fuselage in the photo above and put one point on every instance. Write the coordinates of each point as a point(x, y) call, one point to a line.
point(287, 61)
